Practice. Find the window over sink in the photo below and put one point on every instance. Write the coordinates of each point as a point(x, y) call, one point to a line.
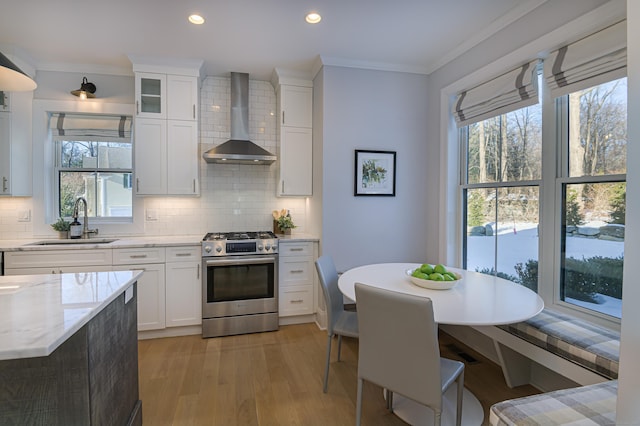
point(93, 159)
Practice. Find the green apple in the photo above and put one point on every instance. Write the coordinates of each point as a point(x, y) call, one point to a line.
point(419, 274)
point(440, 268)
point(436, 276)
point(426, 268)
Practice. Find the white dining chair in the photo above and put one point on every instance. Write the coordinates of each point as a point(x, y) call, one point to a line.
point(339, 322)
point(398, 350)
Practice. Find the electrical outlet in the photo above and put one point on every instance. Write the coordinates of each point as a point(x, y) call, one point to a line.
point(151, 214)
point(24, 215)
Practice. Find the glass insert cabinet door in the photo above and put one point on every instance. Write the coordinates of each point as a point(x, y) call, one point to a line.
point(151, 92)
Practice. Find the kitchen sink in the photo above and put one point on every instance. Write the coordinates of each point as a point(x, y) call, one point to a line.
point(73, 242)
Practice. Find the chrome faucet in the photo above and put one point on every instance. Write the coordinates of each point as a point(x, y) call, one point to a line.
point(85, 224)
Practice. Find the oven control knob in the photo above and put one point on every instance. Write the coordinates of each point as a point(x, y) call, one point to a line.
point(207, 249)
point(260, 247)
point(268, 247)
point(218, 249)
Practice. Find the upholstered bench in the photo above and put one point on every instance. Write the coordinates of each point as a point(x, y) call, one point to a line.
point(584, 353)
point(585, 405)
point(590, 346)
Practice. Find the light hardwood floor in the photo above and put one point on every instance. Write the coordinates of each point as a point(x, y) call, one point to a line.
point(275, 378)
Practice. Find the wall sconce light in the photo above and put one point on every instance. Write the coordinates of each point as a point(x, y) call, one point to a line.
point(86, 90)
point(12, 78)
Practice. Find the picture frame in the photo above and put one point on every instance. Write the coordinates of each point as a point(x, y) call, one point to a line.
point(375, 173)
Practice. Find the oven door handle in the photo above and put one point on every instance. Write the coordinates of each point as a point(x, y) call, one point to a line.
point(242, 261)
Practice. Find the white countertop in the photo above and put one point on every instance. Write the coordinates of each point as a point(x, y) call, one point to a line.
point(478, 299)
point(124, 242)
point(40, 312)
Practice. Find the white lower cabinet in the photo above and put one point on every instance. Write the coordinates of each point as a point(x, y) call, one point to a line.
point(183, 286)
point(56, 261)
point(297, 278)
point(151, 285)
point(151, 296)
point(169, 291)
point(56, 270)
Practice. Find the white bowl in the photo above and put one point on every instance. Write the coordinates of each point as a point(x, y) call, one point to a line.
point(431, 284)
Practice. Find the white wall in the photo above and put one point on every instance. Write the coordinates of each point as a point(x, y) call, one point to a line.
point(373, 110)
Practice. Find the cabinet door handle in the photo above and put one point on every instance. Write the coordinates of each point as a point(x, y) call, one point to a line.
point(296, 249)
point(198, 273)
point(194, 186)
point(297, 301)
point(4, 184)
point(283, 186)
point(137, 107)
point(297, 271)
point(183, 254)
point(137, 256)
point(194, 111)
point(137, 184)
point(282, 117)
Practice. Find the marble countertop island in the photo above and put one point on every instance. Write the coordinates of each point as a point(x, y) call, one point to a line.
point(40, 312)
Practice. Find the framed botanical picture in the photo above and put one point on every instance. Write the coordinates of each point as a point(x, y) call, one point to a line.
point(375, 173)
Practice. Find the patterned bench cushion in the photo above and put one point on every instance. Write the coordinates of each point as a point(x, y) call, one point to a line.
point(585, 405)
point(593, 347)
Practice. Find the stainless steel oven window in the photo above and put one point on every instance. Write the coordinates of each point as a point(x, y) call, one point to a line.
point(240, 282)
point(239, 278)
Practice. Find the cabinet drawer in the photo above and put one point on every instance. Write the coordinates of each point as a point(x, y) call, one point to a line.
point(183, 254)
point(138, 255)
point(57, 258)
point(295, 249)
point(296, 300)
point(57, 270)
point(296, 271)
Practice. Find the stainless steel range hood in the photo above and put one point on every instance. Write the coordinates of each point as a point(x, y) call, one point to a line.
point(239, 149)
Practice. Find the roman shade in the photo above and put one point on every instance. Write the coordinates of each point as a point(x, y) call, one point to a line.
point(592, 60)
point(94, 126)
point(515, 89)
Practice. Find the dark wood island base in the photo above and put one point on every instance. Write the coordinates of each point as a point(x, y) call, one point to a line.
point(90, 379)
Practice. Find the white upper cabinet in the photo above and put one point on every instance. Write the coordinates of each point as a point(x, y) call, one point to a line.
point(166, 128)
point(295, 133)
point(182, 92)
point(296, 163)
point(15, 143)
point(150, 156)
point(296, 106)
point(182, 153)
point(151, 95)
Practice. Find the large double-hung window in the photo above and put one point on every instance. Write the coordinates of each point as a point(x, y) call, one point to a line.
point(589, 88)
point(501, 142)
point(93, 160)
point(502, 179)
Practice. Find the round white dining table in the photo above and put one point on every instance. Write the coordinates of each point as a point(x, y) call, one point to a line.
point(477, 299)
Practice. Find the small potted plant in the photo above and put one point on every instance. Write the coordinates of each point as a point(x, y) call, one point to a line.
point(283, 222)
point(62, 226)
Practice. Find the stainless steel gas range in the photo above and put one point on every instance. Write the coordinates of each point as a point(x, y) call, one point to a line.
point(239, 283)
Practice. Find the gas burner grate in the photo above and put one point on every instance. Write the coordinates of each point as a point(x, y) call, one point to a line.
point(238, 236)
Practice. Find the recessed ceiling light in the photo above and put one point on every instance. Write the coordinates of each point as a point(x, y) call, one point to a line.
point(196, 19)
point(313, 17)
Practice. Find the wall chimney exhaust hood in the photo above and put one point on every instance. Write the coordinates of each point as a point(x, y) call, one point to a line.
point(239, 149)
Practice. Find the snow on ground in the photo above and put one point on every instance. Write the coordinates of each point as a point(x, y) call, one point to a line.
point(518, 242)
